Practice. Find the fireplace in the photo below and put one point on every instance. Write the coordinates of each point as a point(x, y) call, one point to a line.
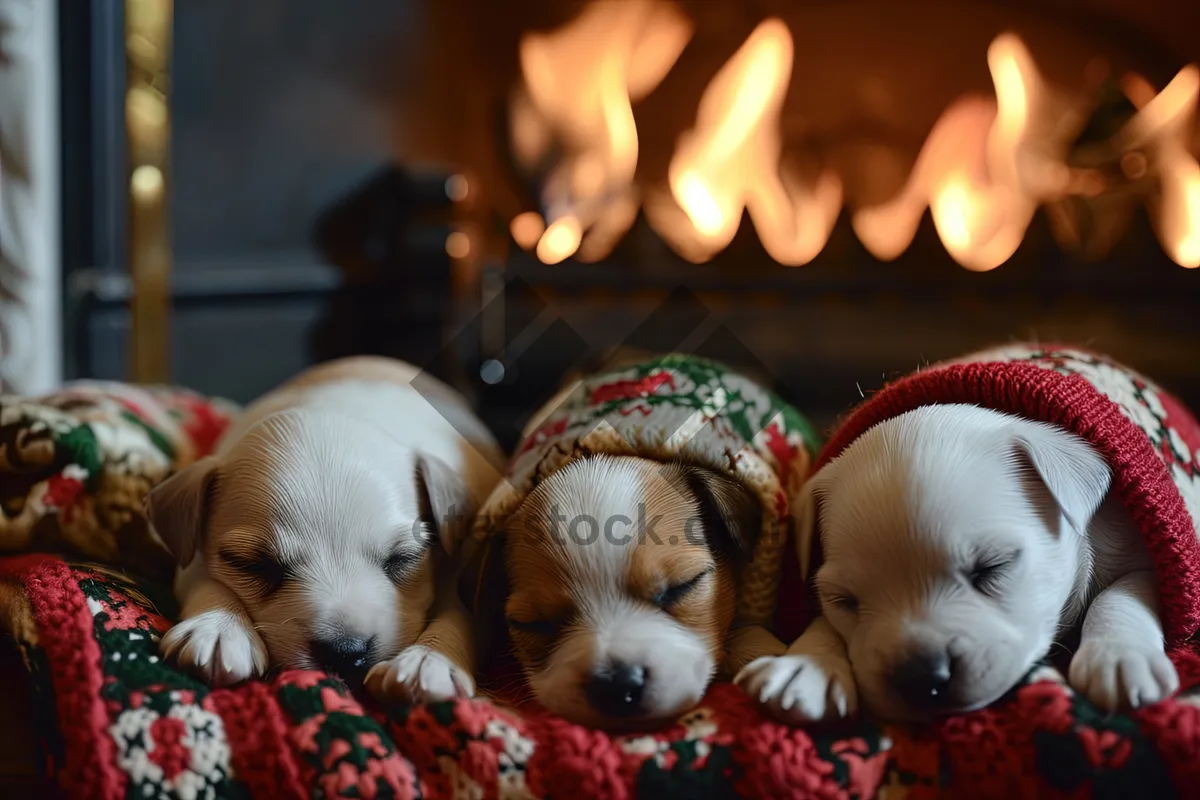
point(829, 194)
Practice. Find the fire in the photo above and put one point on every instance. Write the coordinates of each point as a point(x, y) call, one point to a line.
point(580, 85)
point(1162, 127)
point(527, 229)
point(983, 171)
point(560, 240)
point(730, 162)
point(887, 230)
point(986, 167)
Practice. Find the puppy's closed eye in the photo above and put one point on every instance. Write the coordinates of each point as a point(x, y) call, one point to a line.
point(261, 568)
point(675, 593)
point(399, 566)
point(989, 572)
point(842, 600)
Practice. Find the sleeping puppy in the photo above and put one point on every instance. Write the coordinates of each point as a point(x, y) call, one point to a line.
point(632, 551)
point(322, 534)
point(958, 544)
point(621, 586)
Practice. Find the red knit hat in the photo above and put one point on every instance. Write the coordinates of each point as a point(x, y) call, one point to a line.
point(1147, 436)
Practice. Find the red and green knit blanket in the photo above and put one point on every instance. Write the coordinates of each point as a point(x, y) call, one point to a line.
point(113, 721)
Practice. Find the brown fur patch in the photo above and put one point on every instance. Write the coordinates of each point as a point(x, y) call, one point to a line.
point(539, 589)
point(16, 619)
point(673, 553)
point(416, 592)
point(708, 609)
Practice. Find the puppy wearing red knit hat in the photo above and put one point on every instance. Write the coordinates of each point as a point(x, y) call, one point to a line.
point(972, 516)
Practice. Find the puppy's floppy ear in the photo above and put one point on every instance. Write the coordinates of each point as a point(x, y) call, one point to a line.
point(731, 514)
point(178, 507)
point(804, 518)
point(446, 505)
point(1075, 475)
point(484, 589)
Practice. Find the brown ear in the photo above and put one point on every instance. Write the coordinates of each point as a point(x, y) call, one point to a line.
point(446, 505)
point(730, 513)
point(484, 589)
point(804, 519)
point(178, 508)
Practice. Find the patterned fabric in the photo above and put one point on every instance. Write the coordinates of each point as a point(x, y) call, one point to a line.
point(77, 466)
point(676, 407)
point(115, 722)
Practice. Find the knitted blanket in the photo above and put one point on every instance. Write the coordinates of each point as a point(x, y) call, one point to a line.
point(115, 722)
point(77, 466)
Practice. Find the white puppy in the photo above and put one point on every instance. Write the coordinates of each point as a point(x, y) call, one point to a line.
point(959, 545)
point(323, 531)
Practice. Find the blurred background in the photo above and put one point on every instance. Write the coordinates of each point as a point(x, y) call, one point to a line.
point(220, 193)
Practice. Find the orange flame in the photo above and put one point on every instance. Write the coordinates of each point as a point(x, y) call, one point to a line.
point(730, 161)
point(1162, 127)
point(983, 170)
point(580, 83)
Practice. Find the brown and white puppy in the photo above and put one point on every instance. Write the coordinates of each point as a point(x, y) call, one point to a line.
point(323, 533)
point(623, 586)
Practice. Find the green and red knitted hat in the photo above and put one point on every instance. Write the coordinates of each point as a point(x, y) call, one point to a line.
point(1151, 441)
point(675, 407)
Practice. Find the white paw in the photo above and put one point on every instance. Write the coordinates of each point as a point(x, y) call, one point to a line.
point(419, 675)
point(1118, 676)
point(216, 647)
point(801, 688)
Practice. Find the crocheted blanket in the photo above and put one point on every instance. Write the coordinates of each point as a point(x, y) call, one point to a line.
point(77, 466)
point(113, 721)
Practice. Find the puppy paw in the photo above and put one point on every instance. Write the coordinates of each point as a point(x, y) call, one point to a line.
point(419, 675)
point(798, 689)
point(216, 647)
point(1118, 676)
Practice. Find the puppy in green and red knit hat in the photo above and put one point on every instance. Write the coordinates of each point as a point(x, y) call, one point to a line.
point(633, 551)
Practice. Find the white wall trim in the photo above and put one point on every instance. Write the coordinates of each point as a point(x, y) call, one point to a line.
point(31, 354)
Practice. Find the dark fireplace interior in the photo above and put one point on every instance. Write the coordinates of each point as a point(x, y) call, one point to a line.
point(374, 176)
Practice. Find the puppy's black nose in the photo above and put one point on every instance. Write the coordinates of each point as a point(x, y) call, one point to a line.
point(616, 691)
point(923, 679)
point(349, 657)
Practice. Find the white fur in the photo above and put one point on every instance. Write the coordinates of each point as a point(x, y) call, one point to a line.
point(324, 473)
point(905, 513)
point(419, 674)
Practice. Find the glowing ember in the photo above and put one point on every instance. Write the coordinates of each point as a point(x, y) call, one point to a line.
point(527, 229)
point(560, 241)
point(580, 83)
point(699, 204)
point(458, 245)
